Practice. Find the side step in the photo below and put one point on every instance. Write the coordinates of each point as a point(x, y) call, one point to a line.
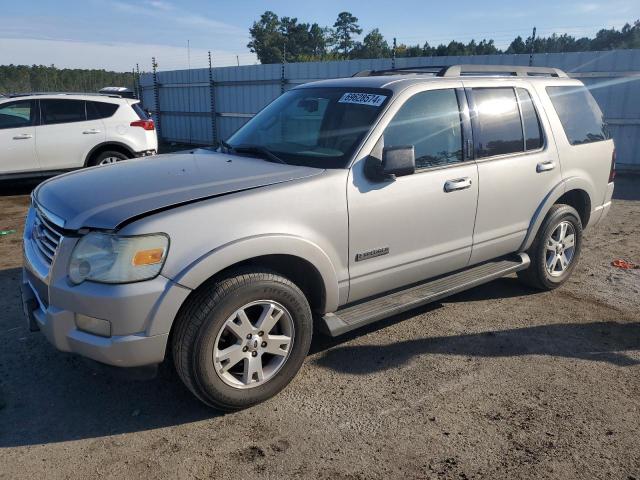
point(361, 314)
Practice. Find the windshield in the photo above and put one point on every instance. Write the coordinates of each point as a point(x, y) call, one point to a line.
point(317, 127)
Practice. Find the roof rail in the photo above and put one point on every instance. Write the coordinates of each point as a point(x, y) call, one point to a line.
point(468, 70)
point(35, 94)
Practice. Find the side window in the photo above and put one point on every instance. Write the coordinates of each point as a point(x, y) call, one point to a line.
point(430, 121)
point(62, 111)
point(530, 121)
point(97, 110)
point(579, 114)
point(16, 114)
point(499, 128)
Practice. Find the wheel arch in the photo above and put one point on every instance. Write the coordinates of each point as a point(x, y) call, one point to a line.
point(298, 259)
point(576, 192)
point(105, 146)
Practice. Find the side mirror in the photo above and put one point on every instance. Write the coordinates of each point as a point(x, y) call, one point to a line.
point(398, 161)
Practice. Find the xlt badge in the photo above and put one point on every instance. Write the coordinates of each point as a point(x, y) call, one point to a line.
point(376, 252)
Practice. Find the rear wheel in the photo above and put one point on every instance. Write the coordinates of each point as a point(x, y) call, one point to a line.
point(240, 340)
point(555, 250)
point(107, 158)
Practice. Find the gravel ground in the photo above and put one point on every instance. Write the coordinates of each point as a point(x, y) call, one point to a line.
point(498, 382)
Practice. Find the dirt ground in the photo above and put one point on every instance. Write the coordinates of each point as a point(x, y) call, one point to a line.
point(498, 382)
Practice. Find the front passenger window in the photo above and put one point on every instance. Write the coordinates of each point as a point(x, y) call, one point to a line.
point(430, 121)
point(16, 114)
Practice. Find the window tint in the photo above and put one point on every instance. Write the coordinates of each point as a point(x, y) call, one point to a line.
point(499, 129)
point(16, 114)
point(530, 120)
point(97, 110)
point(142, 114)
point(430, 121)
point(579, 114)
point(62, 111)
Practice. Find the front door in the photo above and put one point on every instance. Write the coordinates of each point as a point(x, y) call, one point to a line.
point(417, 226)
point(17, 137)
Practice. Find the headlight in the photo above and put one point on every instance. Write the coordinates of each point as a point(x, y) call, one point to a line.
point(105, 258)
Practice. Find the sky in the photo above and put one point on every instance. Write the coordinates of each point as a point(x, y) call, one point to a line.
point(118, 34)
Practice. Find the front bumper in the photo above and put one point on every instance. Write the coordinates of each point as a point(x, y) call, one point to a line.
point(140, 313)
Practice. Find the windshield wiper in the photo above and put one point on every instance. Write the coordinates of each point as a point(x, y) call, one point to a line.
point(255, 149)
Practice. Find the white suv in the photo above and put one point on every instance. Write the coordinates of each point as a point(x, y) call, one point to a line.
point(43, 134)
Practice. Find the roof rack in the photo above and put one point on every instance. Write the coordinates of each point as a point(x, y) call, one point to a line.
point(469, 70)
point(35, 94)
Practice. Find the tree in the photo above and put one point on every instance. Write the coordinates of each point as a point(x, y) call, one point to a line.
point(373, 46)
point(267, 41)
point(517, 46)
point(345, 27)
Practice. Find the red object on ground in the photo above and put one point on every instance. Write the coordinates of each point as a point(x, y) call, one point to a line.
point(623, 264)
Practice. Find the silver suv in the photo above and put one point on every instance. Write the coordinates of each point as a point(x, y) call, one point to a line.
point(342, 202)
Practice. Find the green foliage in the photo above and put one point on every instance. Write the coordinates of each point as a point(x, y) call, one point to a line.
point(39, 78)
point(306, 43)
point(345, 27)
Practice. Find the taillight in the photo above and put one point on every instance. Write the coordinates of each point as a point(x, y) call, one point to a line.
point(146, 124)
point(612, 173)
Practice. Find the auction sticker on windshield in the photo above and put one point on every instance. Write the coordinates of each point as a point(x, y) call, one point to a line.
point(363, 99)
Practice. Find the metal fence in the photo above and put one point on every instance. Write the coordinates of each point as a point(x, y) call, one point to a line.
point(203, 106)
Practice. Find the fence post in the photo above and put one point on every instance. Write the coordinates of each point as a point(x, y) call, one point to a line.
point(283, 80)
point(212, 94)
point(139, 92)
point(393, 54)
point(156, 97)
point(533, 43)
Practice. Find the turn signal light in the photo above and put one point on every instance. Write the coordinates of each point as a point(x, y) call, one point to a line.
point(147, 257)
point(146, 124)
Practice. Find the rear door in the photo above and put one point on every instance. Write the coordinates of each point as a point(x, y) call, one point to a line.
point(517, 164)
point(18, 137)
point(65, 135)
point(416, 226)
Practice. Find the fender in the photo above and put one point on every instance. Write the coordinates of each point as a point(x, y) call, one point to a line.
point(566, 185)
point(105, 144)
point(268, 244)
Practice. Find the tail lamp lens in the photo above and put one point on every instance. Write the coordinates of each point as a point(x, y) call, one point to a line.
point(146, 124)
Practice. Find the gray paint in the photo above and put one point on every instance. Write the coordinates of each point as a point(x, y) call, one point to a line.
point(130, 189)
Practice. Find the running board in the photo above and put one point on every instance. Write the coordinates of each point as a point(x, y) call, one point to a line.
point(355, 316)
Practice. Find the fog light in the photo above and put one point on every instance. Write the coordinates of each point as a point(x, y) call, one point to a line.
point(93, 325)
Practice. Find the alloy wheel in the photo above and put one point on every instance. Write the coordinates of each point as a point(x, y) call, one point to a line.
point(560, 249)
point(253, 344)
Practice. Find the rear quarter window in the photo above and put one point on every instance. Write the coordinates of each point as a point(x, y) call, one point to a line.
point(580, 115)
point(96, 110)
point(142, 114)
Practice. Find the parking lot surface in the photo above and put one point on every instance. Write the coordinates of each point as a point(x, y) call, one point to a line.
point(498, 382)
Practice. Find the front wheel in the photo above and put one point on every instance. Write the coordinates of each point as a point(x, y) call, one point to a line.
point(555, 250)
point(242, 339)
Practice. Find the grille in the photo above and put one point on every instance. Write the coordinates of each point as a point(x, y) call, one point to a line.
point(45, 236)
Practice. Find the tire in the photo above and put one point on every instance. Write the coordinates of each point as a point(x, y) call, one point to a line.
point(210, 322)
point(108, 157)
point(539, 275)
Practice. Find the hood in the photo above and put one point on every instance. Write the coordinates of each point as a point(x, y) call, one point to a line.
point(105, 197)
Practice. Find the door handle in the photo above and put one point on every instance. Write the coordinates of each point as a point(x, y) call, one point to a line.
point(545, 166)
point(91, 132)
point(24, 136)
point(457, 184)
